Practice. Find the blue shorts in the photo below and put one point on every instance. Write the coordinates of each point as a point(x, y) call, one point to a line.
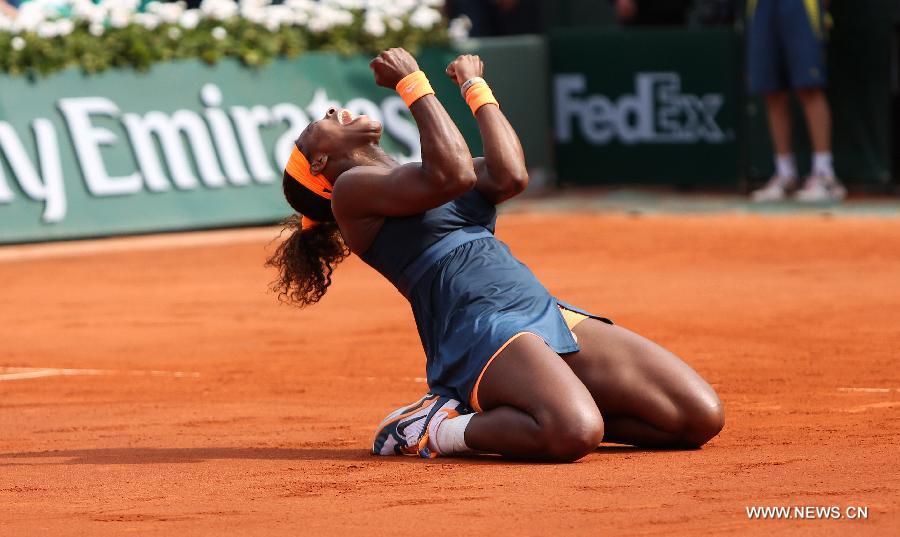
point(785, 45)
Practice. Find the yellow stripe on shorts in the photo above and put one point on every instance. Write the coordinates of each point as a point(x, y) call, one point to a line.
point(815, 19)
point(572, 318)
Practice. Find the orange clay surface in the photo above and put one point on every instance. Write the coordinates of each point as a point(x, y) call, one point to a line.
point(210, 409)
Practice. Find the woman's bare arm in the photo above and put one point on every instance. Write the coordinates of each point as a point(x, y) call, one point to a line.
point(502, 173)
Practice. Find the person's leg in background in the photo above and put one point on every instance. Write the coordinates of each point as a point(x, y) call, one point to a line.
point(765, 66)
point(778, 110)
point(801, 23)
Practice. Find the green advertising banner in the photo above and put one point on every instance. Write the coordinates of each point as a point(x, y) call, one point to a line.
point(189, 146)
point(646, 106)
point(182, 146)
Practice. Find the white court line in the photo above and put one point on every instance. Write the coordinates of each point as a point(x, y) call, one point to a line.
point(23, 252)
point(868, 390)
point(25, 373)
point(873, 406)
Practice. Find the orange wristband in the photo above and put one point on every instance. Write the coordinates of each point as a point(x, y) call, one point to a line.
point(478, 95)
point(413, 87)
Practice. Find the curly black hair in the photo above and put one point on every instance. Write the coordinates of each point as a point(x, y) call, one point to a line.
point(306, 259)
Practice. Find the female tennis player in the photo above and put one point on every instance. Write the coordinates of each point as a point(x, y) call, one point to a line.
point(511, 369)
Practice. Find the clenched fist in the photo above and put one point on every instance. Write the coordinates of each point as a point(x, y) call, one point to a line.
point(391, 66)
point(465, 67)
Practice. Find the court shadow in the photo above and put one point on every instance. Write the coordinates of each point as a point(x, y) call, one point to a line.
point(105, 456)
point(182, 455)
point(612, 449)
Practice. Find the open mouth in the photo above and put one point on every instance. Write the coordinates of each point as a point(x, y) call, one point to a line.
point(345, 117)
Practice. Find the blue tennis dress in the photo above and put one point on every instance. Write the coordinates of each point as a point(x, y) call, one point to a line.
point(469, 295)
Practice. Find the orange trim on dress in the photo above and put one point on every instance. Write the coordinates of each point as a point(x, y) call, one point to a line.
point(473, 399)
point(572, 319)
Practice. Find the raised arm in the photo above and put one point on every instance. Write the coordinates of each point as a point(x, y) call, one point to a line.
point(502, 173)
point(444, 174)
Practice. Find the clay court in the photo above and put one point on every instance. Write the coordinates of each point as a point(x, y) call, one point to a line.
point(152, 385)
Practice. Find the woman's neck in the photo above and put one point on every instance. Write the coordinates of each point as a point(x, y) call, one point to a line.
point(374, 155)
point(371, 155)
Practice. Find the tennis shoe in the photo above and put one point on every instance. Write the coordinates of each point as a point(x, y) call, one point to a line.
point(776, 189)
point(406, 430)
point(821, 188)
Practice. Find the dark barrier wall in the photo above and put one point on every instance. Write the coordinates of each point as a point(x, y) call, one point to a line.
point(859, 64)
point(646, 106)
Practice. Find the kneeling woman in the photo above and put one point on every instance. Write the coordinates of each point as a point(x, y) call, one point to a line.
point(511, 369)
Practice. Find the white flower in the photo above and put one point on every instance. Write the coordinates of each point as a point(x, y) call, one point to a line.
point(253, 13)
point(378, 17)
point(123, 5)
point(459, 29)
point(350, 4)
point(374, 25)
point(87, 11)
point(343, 18)
point(318, 25)
point(18, 43)
point(399, 8)
point(29, 17)
point(147, 20)
point(47, 30)
point(425, 18)
point(168, 12)
point(219, 10)
point(282, 14)
point(300, 4)
point(394, 23)
point(119, 17)
point(302, 7)
point(326, 17)
point(189, 19)
point(65, 26)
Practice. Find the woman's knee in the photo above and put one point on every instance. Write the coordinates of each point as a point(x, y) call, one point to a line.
point(702, 420)
point(570, 434)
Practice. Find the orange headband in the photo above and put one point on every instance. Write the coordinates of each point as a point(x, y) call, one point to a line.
point(298, 168)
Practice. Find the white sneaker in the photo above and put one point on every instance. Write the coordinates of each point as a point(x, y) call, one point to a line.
point(819, 188)
point(406, 430)
point(774, 190)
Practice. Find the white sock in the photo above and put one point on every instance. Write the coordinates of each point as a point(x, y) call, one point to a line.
point(449, 438)
point(785, 166)
point(821, 164)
